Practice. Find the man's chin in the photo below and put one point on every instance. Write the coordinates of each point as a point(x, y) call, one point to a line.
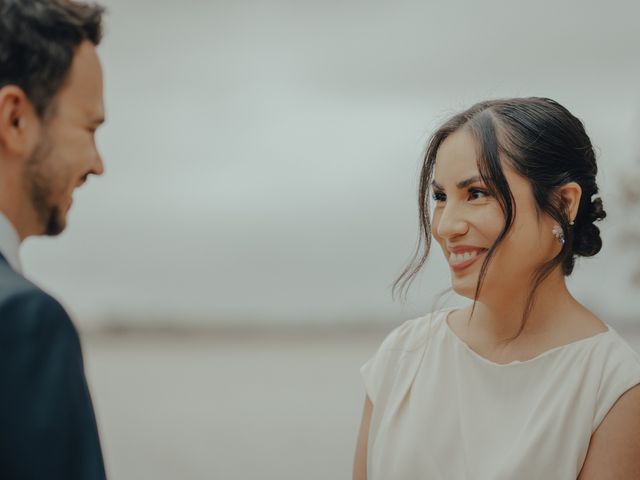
point(56, 224)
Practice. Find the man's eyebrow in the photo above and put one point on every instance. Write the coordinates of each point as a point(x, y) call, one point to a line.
point(461, 184)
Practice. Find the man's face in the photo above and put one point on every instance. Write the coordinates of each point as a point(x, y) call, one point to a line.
point(66, 153)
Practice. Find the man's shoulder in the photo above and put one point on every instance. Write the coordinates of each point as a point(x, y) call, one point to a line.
point(26, 309)
point(12, 282)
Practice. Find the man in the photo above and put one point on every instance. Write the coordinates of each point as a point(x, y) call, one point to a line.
point(50, 107)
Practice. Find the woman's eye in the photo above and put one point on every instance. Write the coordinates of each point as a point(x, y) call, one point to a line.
point(476, 194)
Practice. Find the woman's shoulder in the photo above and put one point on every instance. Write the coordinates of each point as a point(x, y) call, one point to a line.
point(616, 351)
point(412, 334)
point(616, 367)
point(394, 365)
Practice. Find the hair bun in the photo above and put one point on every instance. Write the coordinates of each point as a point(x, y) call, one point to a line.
point(586, 237)
point(596, 212)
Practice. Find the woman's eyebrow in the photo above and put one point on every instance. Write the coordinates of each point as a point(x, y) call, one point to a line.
point(461, 184)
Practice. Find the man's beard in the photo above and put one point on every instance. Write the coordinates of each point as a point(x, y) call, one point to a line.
point(38, 176)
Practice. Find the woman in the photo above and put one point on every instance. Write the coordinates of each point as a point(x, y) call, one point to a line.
point(525, 383)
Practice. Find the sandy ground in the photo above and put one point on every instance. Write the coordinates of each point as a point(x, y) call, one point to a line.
point(230, 406)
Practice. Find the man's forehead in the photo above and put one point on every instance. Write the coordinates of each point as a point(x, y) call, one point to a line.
point(82, 92)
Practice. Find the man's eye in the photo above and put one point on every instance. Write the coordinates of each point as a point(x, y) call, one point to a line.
point(438, 197)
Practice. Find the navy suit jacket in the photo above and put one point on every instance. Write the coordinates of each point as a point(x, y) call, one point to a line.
point(47, 425)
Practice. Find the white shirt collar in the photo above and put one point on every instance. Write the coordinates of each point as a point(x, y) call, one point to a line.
point(10, 243)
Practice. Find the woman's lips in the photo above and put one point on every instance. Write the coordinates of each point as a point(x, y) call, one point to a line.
point(459, 266)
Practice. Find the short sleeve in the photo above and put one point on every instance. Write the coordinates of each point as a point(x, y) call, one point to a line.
point(620, 373)
point(400, 347)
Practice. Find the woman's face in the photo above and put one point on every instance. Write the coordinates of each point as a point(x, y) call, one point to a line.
point(467, 221)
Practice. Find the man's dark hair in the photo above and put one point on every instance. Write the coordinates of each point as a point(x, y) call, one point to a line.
point(38, 39)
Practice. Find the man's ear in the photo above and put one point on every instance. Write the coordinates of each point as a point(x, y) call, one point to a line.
point(570, 194)
point(19, 122)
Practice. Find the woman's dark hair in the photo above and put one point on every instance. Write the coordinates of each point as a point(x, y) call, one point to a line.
point(544, 143)
point(38, 39)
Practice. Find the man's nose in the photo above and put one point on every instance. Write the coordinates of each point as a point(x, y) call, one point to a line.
point(97, 166)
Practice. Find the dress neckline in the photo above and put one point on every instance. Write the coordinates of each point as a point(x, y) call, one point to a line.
point(445, 319)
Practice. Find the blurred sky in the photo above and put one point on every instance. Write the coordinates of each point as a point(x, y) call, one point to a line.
point(262, 156)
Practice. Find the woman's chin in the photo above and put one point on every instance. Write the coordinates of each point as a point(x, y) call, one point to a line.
point(464, 287)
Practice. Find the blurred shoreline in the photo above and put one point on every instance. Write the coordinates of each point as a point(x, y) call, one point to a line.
point(623, 326)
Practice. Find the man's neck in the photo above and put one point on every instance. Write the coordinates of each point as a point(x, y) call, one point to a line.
point(10, 243)
point(18, 211)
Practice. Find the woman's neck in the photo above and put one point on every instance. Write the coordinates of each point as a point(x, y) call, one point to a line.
point(498, 317)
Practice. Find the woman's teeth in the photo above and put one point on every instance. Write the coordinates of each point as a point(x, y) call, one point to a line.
point(456, 258)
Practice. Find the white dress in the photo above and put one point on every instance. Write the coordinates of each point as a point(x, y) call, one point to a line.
point(441, 411)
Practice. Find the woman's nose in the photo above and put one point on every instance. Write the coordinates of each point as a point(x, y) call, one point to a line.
point(451, 222)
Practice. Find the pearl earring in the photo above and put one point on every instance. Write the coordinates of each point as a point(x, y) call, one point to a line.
point(558, 233)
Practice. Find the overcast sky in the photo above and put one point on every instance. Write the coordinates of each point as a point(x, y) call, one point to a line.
point(261, 157)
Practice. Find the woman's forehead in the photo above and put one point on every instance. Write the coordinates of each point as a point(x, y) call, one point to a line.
point(457, 160)
point(458, 149)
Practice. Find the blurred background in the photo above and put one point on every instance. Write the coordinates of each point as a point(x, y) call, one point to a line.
point(231, 271)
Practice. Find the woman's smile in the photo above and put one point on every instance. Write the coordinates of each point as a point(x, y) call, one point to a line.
point(464, 257)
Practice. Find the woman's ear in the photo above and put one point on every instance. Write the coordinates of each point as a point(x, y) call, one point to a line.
point(570, 194)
